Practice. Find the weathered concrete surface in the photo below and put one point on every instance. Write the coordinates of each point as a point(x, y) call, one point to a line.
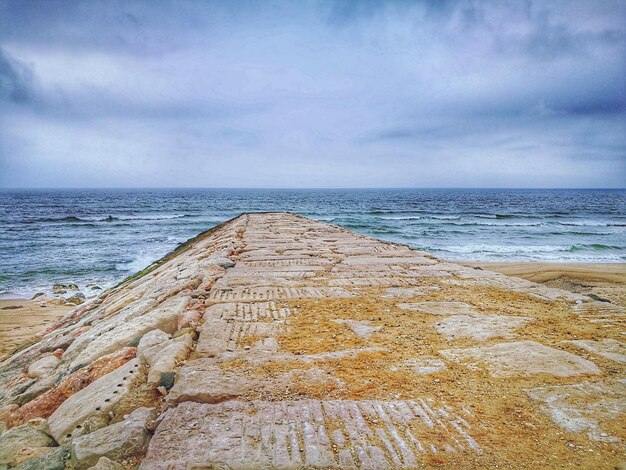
point(609, 348)
point(439, 308)
point(275, 340)
point(522, 358)
point(601, 402)
point(479, 327)
point(305, 434)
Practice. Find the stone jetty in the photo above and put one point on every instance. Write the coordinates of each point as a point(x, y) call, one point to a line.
point(274, 340)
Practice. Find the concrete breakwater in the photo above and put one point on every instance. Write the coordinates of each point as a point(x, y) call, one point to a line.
point(277, 341)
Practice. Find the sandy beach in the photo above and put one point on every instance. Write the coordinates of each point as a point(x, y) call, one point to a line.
point(604, 280)
point(21, 319)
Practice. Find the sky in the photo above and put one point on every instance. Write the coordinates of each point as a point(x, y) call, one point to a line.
point(313, 93)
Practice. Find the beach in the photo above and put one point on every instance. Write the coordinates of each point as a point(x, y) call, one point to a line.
point(604, 280)
point(21, 320)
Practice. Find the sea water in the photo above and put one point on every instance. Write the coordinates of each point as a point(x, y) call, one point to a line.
point(98, 237)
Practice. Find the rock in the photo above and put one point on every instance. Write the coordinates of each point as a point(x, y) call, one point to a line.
point(166, 356)
point(185, 331)
point(72, 287)
point(43, 366)
point(205, 381)
point(31, 453)
point(166, 380)
point(59, 289)
point(523, 358)
point(55, 459)
point(424, 365)
point(609, 348)
point(19, 439)
point(189, 318)
point(117, 441)
point(107, 464)
point(362, 329)
point(164, 317)
point(37, 295)
point(480, 327)
point(40, 386)
point(584, 407)
point(439, 308)
point(295, 434)
point(75, 300)
point(45, 404)
point(222, 262)
point(149, 341)
point(88, 409)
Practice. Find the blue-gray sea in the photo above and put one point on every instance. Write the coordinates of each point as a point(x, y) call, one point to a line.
point(101, 236)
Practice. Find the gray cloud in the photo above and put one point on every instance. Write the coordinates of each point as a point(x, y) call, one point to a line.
point(314, 93)
point(16, 81)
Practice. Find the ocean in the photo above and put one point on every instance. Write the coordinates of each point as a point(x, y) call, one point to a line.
point(98, 237)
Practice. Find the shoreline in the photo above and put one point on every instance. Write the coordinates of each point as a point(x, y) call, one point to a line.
point(607, 281)
point(22, 319)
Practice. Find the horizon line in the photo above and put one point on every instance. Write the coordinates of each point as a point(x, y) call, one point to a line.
point(298, 187)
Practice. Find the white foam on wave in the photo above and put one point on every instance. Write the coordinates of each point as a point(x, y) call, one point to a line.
point(399, 217)
point(141, 261)
point(149, 217)
point(485, 248)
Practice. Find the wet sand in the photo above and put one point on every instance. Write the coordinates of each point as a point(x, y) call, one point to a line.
point(20, 320)
point(604, 280)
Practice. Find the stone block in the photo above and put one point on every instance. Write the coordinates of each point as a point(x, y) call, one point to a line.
point(87, 410)
point(479, 327)
point(523, 358)
point(117, 441)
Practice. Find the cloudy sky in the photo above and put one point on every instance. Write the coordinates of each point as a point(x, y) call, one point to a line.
point(313, 93)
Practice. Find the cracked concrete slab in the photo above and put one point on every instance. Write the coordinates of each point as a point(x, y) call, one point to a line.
point(523, 358)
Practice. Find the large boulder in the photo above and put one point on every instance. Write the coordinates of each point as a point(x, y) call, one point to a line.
point(88, 409)
point(43, 366)
point(20, 441)
point(107, 464)
point(117, 441)
point(45, 404)
point(53, 460)
point(163, 357)
point(163, 317)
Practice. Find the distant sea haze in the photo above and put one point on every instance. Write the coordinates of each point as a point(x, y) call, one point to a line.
point(98, 237)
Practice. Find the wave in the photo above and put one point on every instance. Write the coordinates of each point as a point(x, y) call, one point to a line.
point(484, 215)
point(595, 246)
point(591, 223)
point(70, 218)
point(141, 261)
point(581, 234)
point(496, 224)
point(400, 217)
point(503, 249)
point(109, 218)
point(146, 217)
point(445, 217)
point(526, 250)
